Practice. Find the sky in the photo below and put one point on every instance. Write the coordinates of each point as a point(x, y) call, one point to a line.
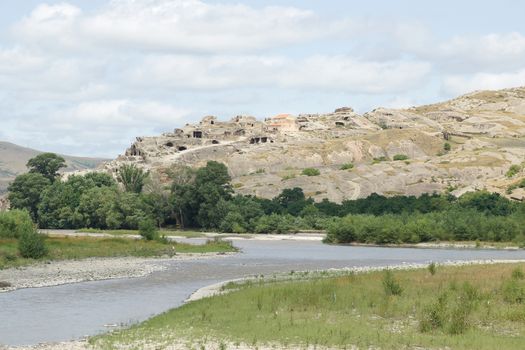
point(87, 77)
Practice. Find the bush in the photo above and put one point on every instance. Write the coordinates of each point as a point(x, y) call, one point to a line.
point(148, 230)
point(31, 245)
point(452, 310)
point(517, 274)
point(513, 291)
point(347, 166)
point(400, 157)
point(513, 170)
point(390, 285)
point(14, 223)
point(379, 159)
point(432, 268)
point(311, 172)
point(447, 146)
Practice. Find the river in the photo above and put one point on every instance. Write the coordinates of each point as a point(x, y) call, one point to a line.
point(35, 315)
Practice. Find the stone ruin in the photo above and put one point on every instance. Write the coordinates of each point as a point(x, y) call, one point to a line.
point(246, 130)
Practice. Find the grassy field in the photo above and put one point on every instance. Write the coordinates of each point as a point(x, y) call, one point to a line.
point(65, 248)
point(468, 307)
point(181, 233)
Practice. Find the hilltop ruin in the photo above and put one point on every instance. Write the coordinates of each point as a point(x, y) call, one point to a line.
point(485, 133)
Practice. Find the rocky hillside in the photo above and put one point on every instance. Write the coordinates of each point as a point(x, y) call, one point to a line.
point(13, 161)
point(459, 145)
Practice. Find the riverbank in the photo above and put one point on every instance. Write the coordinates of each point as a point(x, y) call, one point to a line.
point(299, 236)
point(74, 247)
point(482, 309)
point(53, 273)
point(339, 308)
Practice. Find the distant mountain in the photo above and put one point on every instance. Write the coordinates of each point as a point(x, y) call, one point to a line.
point(13, 159)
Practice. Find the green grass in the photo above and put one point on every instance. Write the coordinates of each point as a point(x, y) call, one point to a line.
point(182, 233)
point(347, 166)
point(311, 172)
point(471, 307)
point(66, 248)
point(400, 157)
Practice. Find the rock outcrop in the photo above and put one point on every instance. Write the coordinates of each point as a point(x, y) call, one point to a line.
point(485, 131)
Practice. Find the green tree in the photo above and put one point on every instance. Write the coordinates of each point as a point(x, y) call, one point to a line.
point(47, 164)
point(132, 177)
point(59, 202)
point(183, 194)
point(213, 188)
point(25, 191)
point(96, 208)
point(292, 200)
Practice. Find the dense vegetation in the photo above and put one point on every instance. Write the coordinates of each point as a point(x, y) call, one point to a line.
point(203, 198)
point(470, 307)
point(17, 227)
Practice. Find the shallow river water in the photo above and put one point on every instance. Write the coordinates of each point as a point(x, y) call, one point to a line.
point(30, 316)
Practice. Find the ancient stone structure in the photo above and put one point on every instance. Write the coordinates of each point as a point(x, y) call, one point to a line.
point(485, 130)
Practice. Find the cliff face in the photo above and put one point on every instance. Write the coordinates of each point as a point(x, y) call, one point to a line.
point(485, 131)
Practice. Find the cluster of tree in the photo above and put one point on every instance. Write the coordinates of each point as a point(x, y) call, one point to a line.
point(490, 203)
point(204, 198)
point(92, 200)
point(452, 225)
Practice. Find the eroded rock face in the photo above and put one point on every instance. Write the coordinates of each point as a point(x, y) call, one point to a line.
point(486, 132)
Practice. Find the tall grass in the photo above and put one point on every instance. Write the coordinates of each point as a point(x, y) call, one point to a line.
point(459, 308)
point(65, 248)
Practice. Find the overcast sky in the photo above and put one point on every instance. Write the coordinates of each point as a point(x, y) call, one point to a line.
point(86, 77)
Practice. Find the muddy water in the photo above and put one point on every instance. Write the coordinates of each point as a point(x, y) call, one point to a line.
point(31, 316)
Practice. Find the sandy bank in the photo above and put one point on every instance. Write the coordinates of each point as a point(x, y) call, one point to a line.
point(55, 273)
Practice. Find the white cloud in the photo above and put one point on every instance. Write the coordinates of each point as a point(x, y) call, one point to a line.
point(460, 84)
point(493, 52)
point(175, 25)
point(119, 113)
point(342, 73)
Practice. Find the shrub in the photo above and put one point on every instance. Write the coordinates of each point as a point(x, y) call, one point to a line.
point(432, 268)
point(517, 274)
point(513, 170)
point(390, 285)
point(14, 223)
point(513, 291)
point(434, 315)
point(311, 172)
point(148, 230)
point(31, 245)
point(400, 157)
point(451, 311)
point(347, 166)
point(379, 159)
point(447, 146)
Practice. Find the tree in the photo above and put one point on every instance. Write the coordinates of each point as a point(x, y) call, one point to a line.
point(292, 200)
point(183, 194)
point(132, 177)
point(212, 189)
point(46, 164)
point(59, 202)
point(96, 208)
point(25, 191)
